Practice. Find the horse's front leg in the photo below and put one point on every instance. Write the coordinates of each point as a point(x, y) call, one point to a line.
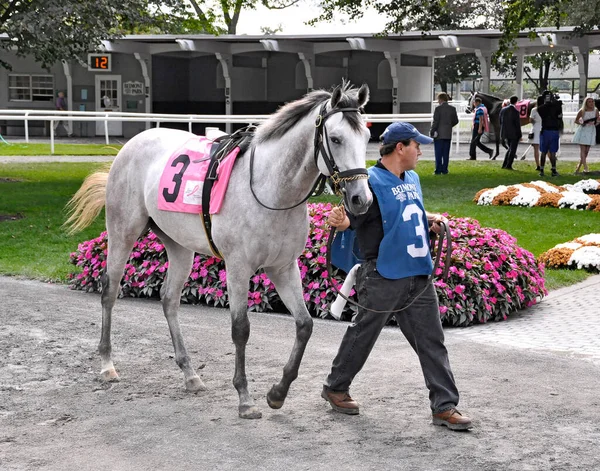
point(289, 287)
point(237, 287)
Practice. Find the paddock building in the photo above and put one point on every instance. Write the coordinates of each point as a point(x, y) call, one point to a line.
point(238, 74)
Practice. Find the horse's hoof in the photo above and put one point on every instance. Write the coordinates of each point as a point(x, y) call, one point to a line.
point(195, 384)
point(109, 376)
point(250, 412)
point(494, 157)
point(274, 399)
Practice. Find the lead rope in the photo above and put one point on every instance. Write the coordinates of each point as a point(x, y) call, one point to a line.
point(445, 234)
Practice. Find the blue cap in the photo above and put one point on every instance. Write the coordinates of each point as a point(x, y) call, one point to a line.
point(400, 131)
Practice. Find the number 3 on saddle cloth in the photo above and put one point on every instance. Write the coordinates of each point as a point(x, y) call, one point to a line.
point(186, 186)
point(183, 177)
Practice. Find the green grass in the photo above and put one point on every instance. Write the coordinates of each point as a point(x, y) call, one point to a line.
point(37, 247)
point(59, 149)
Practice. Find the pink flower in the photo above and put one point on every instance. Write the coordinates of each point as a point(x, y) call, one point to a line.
point(459, 289)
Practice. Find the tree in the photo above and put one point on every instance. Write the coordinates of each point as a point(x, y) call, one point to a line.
point(223, 17)
point(454, 69)
point(511, 17)
point(52, 30)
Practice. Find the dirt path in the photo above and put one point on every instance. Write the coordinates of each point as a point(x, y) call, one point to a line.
point(533, 411)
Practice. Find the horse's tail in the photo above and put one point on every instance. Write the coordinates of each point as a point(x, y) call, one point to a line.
point(87, 203)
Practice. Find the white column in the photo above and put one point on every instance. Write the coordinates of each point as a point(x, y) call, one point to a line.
point(67, 70)
point(583, 58)
point(519, 75)
point(147, 89)
point(485, 60)
point(394, 61)
point(225, 61)
point(307, 70)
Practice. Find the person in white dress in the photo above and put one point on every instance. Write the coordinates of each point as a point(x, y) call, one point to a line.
point(536, 121)
point(585, 135)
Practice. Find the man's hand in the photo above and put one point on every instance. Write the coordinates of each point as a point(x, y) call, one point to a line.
point(434, 221)
point(338, 219)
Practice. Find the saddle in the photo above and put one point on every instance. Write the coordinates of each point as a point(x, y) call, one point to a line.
point(220, 149)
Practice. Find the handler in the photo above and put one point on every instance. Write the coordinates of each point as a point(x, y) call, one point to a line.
point(394, 241)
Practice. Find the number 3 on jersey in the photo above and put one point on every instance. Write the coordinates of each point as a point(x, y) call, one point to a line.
point(412, 249)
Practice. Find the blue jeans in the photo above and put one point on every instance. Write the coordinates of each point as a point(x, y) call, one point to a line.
point(420, 323)
point(441, 148)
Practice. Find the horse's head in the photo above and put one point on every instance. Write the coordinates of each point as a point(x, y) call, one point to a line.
point(470, 105)
point(344, 137)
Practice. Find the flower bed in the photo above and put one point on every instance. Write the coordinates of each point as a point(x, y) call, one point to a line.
point(207, 284)
point(490, 276)
point(585, 194)
point(581, 253)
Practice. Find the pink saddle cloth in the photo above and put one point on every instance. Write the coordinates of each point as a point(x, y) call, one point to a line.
point(523, 108)
point(183, 177)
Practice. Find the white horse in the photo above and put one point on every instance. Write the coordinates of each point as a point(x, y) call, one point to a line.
point(259, 225)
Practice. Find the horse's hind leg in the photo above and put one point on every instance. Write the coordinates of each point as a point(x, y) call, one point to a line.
point(120, 243)
point(289, 287)
point(180, 265)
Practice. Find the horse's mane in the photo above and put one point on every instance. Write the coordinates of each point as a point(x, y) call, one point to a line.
point(487, 95)
point(291, 113)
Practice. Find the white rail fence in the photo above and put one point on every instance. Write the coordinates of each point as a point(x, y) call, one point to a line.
point(26, 116)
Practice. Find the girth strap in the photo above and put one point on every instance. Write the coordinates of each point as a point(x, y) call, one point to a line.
point(220, 149)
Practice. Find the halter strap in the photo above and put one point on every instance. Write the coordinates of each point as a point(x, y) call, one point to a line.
point(338, 178)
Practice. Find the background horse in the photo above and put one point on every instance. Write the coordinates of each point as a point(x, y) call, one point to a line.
point(286, 156)
point(494, 106)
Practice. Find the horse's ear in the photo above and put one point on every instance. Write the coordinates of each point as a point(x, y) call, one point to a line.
point(363, 95)
point(336, 96)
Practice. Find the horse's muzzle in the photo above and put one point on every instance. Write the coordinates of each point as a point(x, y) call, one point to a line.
point(358, 202)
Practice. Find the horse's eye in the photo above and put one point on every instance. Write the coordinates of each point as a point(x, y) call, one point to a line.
point(335, 140)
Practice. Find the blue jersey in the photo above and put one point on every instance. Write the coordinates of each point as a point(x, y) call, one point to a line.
point(404, 249)
point(479, 115)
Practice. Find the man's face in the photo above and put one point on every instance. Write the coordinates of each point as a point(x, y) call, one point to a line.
point(409, 155)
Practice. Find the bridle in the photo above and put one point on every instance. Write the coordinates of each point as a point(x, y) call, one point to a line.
point(338, 178)
point(470, 106)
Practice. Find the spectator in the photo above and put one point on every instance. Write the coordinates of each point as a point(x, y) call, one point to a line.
point(536, 129)
point(510, 130)
point(585, 136)
point(481, 124)
point(61, 105)
point(552, 124)
point(444, 119)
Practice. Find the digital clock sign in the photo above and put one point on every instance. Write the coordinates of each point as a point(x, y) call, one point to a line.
point(100, 62)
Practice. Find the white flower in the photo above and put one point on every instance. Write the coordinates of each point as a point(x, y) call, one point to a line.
point(586, 257)
point(574, 200)
point(570, 187)
point(587, 185)
point(545, 186)
point(526, 197)
point(486, 197)
point(590, 239)
point(568, 245)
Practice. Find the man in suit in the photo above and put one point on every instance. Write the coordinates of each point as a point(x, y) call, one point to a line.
point(510, 131)
point(444, 119)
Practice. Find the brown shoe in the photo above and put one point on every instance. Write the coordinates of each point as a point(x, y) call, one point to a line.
point(452, 419)
point(341, 402)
